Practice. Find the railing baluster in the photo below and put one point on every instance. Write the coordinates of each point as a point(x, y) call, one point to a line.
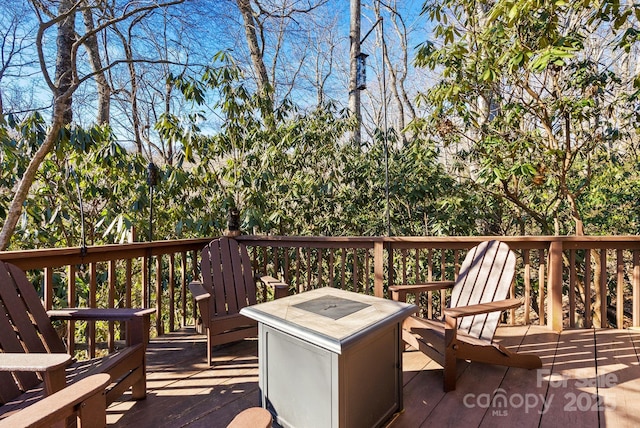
point(541, 291)
point(390, 263)
point(195, 266)
point(320, 281)
point(276, 261)
point(145, 282)
point(430, 278)
point(456, 264)
point(512, 295)
point(343, 268)
point(403, 260)
point(298, 263)
point(367, 271)
point(418, 279)
point(172, 303)
point(128, 284)
point(287, 262)
point(527, 286)
point(587, 289)
point(183, 287)
point(356, 285)
point(619, 289)
point(636, 288)
point(128, 278)
point(159, 324)
point(331, 268)
point(308, 267)
point(572, 288)
point(443, 277)
point(71, 303)
point(48, 288)
point(456, 267)
point(91, 325)
point(111, 298)
point(265, 261)
point(602, 291)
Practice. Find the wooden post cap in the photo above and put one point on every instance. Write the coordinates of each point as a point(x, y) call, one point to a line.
point(254, 417)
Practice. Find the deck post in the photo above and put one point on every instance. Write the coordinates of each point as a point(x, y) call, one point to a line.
point(378, 268)
point(554, 298)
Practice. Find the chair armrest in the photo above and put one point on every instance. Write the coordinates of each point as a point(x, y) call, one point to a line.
point(281, 289)
point(202, 296)
point(99, 314)
point(52, 367)
point(198, 291)
point(21, 362)
point(138, 320)
point(399, 292)
point(86, 397)
point(483, 308)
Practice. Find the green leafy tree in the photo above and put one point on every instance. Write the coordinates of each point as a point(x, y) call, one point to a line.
point(528, 102)
point(279, 173)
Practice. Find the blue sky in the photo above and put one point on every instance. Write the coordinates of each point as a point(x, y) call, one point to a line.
point(217, 26)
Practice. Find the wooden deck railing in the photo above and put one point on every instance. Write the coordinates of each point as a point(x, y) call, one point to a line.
point(565, 281)
point(141, 274)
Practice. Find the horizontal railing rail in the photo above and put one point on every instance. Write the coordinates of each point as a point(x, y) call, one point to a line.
point(564, 281)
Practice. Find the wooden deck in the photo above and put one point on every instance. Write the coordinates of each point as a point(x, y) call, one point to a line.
point(590, 378)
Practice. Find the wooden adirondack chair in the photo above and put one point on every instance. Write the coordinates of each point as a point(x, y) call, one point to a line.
point(253, 417)
point(228, 285)
point(26, 330)
point(478, 297)
point(84, 401)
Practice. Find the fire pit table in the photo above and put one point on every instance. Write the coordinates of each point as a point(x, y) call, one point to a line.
point(330, 358)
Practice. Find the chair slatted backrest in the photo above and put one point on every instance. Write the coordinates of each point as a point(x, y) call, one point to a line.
point(228, 276)
point(24, 327)
point(485, 276)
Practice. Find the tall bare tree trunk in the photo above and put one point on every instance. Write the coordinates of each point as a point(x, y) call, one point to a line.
point(103, 88)
point(64, 75)
point(257, 59)
point(250, 29)
point(398, 70)
point(135, 111)
point(167, 109)
point(133, 93)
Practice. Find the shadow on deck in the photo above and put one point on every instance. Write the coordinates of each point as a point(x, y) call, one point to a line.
point(589, 378)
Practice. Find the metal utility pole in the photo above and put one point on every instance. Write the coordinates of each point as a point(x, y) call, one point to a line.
point(360, 85)
point(357, 82)
point(354, 93)
point(152, 181)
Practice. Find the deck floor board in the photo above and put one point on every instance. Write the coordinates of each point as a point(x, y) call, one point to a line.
point(600, 365)
point(520, 400)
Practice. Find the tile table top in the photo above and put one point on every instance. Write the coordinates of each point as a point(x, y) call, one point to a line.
point(329, 317)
